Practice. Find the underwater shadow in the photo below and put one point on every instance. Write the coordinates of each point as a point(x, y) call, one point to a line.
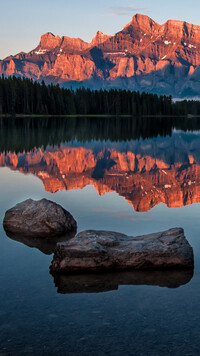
point(44, 244)
point(105, 282)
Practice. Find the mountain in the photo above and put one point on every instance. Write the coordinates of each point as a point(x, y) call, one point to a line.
point(144, 55)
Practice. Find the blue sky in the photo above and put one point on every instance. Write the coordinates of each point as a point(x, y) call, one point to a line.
point(23, 21)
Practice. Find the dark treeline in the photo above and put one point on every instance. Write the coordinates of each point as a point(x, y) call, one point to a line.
point(23, 134)
point(23, 96)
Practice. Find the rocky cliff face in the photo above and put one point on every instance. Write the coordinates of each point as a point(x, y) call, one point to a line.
point(143, 173)
point(144, 55)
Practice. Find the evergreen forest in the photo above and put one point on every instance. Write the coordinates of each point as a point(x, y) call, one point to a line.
point(23, 96)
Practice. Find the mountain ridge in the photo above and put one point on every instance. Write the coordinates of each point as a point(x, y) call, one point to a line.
point(144, 55)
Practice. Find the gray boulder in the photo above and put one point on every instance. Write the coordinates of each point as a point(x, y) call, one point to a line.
point(42, 218)
point(103, 250)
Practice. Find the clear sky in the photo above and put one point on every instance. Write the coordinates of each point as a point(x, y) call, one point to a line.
point(23, 21)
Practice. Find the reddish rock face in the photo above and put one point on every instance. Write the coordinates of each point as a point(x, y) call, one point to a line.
point(49, 41)
point(99, 38)
point(144, 55)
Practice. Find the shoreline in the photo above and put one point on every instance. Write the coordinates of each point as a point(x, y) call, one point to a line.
point(189, 116)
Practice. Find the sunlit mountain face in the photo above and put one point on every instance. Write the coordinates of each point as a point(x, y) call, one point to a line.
point(144, 55)
point(120, 155)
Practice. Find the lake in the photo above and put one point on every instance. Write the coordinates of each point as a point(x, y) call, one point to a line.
point(130, 175)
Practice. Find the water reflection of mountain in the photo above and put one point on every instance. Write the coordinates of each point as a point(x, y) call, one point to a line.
point(145, 172)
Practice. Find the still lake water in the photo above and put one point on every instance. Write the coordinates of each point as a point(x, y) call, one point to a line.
point(126, 175)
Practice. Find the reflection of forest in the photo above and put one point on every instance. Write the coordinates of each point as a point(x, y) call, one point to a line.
point(145, 172)
point(24, 134)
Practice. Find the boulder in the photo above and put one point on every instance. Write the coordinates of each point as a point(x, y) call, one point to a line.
point(104, 250)
point(41, 218)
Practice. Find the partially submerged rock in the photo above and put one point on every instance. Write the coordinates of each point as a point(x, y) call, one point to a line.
point(42, 218)
point(103, 250)
point(104, 282)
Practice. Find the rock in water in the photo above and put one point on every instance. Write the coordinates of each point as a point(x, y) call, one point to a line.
point(103, 250)
point(42, 218)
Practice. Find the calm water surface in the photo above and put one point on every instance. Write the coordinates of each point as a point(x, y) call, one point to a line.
point(113, 174)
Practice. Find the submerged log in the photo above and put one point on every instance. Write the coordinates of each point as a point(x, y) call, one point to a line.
point(103, 250)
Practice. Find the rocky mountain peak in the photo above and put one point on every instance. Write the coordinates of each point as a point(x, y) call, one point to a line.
point(49, 40)
point(143, 23)
point(131, 59)
point(181, 30)
point(99, 38)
